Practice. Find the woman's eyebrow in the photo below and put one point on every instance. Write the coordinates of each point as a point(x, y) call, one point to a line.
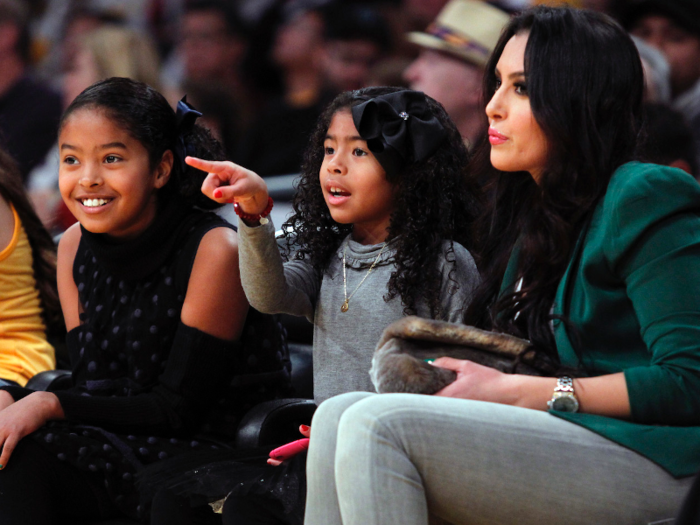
point(515, 74)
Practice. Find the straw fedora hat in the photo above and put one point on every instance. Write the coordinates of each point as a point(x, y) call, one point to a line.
point(468, 29)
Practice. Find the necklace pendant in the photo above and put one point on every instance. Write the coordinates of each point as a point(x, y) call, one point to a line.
point(345, 306)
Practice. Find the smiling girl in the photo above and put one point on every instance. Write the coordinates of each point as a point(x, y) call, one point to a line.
point(594, 258)
point(150, 357)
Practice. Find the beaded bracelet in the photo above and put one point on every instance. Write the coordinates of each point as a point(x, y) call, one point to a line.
point(254, 217)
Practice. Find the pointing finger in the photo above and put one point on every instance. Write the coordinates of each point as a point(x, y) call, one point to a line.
point(210, 166)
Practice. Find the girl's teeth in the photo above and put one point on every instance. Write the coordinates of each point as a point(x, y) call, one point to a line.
point(91, 203)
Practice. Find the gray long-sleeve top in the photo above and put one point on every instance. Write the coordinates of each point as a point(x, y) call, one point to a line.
point(344, 342)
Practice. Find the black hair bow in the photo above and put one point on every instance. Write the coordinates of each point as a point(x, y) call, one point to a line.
point(185, 117)
point(399, 128)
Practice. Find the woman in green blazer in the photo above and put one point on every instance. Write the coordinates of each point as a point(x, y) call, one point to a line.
point(596, 260)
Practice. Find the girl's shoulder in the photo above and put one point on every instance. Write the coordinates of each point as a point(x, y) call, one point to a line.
point(457, 264)
point(206, 235)
point(199, 223)
point(453, 251)
point(69, 242)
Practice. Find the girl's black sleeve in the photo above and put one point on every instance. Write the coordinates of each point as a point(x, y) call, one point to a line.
point(196, 370)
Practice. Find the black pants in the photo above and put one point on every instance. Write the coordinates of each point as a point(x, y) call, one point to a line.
point(36, 488)
point(250, 511)
point(169, 509)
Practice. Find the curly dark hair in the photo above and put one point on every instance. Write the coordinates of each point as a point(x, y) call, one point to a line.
point(584, 82)
point(435, 200)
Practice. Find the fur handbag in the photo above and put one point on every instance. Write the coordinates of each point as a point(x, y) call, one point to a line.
point(399, 362)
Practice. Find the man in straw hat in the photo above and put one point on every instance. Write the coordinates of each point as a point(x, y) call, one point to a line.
point(449, 68)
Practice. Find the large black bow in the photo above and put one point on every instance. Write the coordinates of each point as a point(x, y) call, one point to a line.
point(399, 128)
point(185, 117)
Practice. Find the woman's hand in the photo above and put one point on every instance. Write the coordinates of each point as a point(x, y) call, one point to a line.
point(603, 395)
point(305, 431)
point(228, 182)
point(24, 417)
point(475, 381)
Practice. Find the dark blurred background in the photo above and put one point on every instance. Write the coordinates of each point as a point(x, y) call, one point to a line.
point(261, 71)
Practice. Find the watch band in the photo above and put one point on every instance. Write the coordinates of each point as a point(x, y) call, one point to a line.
point(565, 384)
point(564, 399)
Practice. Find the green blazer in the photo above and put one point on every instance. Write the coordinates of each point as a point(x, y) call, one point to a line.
point(632, 292)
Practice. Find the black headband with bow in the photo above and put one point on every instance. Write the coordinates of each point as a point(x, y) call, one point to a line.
point(399, 128)
point(185, 117)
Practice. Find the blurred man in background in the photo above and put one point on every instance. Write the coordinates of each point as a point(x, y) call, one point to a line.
point(450, 66)
point(29, 111)
point(673, 27)
point(356, 37)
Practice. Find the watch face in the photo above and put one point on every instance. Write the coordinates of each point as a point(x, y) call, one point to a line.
point(565, 403)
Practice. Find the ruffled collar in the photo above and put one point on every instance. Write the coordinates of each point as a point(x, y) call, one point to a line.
point(363, 255)
point(137, 258)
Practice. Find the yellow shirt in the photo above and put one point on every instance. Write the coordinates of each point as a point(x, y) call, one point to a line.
point(24, 350)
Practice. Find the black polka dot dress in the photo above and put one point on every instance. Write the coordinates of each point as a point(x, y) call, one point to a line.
point(146, 386)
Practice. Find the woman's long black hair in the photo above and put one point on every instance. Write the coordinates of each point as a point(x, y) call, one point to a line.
point(147, 116)
point(584, 80)
point(42, 245)
point(435, 200)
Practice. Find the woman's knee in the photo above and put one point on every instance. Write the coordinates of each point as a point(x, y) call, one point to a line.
point(385, 412)
point(324, 431)
point(330, 411)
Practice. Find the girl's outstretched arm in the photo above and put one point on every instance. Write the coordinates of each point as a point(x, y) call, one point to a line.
point(227, 182)
point(270, 286)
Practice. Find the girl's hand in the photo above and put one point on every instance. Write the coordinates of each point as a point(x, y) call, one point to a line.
point(5, 400)
point(477, 382)
point(229, 182)
point(24, 417)
point(305, 431)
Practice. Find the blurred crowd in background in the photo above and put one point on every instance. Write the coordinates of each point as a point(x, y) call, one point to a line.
point(261, 71)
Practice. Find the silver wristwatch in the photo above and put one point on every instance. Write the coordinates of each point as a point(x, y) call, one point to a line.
point(564, 399)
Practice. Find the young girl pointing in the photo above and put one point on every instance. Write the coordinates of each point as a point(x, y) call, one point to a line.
point(382, 217)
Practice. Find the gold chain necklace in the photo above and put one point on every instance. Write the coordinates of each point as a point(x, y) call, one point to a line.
point(346, 304)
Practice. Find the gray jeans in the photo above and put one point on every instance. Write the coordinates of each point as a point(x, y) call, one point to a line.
point(393, 458)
